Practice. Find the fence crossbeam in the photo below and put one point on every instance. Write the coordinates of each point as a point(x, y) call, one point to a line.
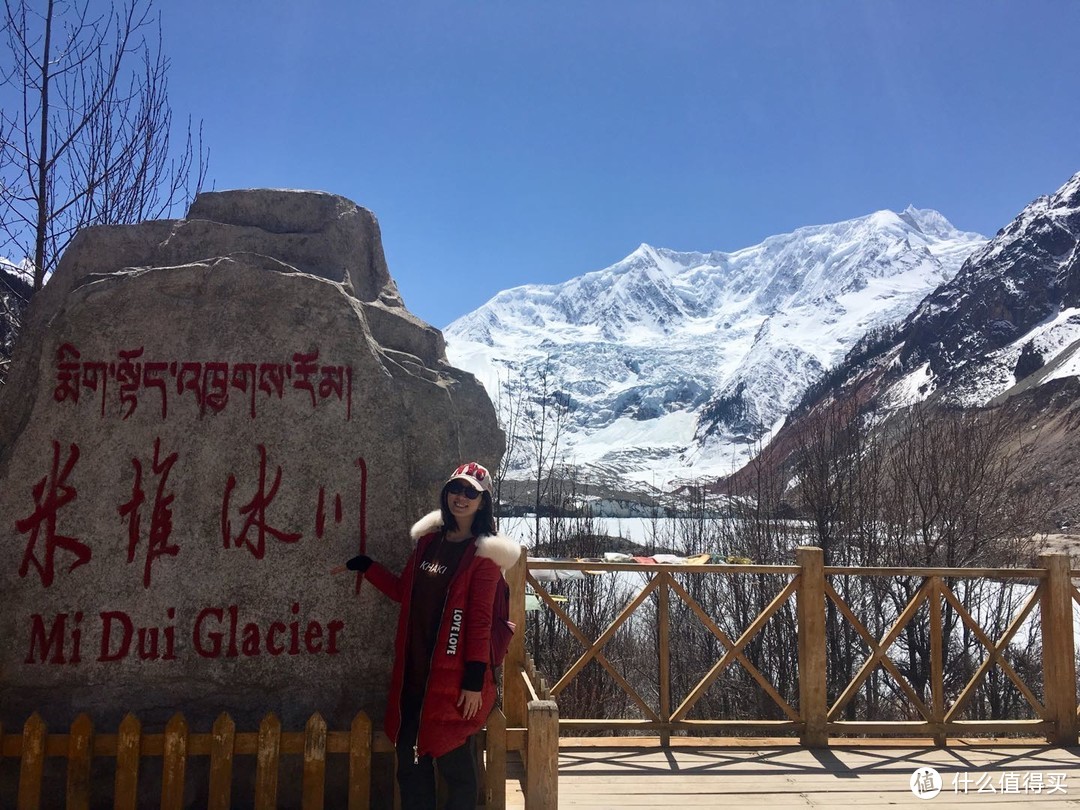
point(994, 653)
point(879, 650)
point(725, 639)
point(593, 648)
point(731, 655)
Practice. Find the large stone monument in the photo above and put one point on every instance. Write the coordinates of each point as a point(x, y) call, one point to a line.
point(204, 416)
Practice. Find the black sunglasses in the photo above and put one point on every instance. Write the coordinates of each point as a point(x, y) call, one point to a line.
point(458, 488)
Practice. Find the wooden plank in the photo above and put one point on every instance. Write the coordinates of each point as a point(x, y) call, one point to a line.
point(1058, 648)
point(128, 753)
point(314, 780)
point(360, 763)
point(954, 573)
point(516, 739)
point(381, 744)
point(928, 728)
point(33, 763)
point(664, 641)
point(80, 748)
point(514, 699)
point(530, 690)
point(937, 667)
point(620, 725)
point(810, 612)
point(221, 763)
point(174, 764)
point(542, 776)
point(266, 769)
point(874, 777)
point(495, 761)
point(781, 745)
point(655, 568)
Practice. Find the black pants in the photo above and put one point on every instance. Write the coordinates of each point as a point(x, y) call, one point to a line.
point(416, 779)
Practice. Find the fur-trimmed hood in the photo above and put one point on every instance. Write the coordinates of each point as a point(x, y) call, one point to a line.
point(498, 548)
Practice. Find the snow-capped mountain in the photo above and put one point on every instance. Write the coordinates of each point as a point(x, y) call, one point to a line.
point(14, 293)
point(1004, 331)
point(677, 364)
point(1012, 312)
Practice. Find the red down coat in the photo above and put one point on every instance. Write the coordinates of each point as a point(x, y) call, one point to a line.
point(469, 601)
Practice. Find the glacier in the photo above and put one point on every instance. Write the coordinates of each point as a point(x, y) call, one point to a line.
point(677, 365)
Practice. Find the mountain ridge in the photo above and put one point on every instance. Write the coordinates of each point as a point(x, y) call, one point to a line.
point(1003, 333)
point(640, 349)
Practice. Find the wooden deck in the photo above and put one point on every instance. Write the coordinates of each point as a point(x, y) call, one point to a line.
point(633, 773)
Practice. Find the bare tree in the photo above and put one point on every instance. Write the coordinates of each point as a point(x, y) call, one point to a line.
point(509, 404)
point(87, 139)
point(544, 417)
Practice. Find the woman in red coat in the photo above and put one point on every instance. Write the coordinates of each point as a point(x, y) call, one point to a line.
point(443, 687)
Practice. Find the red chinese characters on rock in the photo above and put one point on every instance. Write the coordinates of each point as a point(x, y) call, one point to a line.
point(255, 514)
point(160, 515)
point(320, 514)
point(55, 491)
point(218, 632)
point(258, 525)
point(51, 494)
point(207, 384)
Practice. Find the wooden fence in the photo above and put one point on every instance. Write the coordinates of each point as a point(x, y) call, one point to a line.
point(530, 723)
point(177, 745)
point(130, 746)
point(810, 584)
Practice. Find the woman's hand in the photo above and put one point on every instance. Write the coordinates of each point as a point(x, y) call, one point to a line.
point(360, 563)
point(470, 703)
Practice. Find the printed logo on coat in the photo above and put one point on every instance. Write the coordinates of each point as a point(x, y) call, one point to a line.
point(455, 631)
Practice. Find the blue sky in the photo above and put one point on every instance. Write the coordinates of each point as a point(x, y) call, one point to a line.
point(513, 142)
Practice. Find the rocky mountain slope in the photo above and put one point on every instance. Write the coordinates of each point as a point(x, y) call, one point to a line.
point(1005, 331)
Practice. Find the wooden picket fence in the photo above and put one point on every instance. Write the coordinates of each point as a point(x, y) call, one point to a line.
point(223, 744)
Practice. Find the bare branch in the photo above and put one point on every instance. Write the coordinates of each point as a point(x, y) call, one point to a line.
point(90, 143)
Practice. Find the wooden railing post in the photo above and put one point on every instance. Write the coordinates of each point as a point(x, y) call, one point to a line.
point(937, 663)
point(1059, 662)
point(663, 620)
point(495, 743)
point(542, 768)
point(33, 763)
point(313, 784)
point(810, 601)
point(514, 698)
point(174, 763)
point(80, 752)
point(360, 762)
